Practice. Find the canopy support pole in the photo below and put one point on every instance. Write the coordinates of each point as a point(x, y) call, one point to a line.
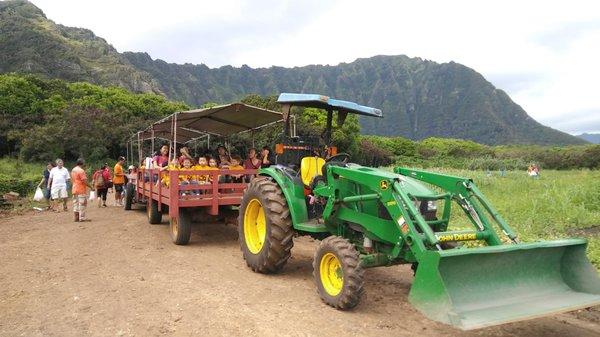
point(139, 148)
point(328, 127)
point(152, 150)
point(175, 135)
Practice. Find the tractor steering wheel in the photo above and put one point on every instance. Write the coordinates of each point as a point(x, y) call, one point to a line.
point(344, 158)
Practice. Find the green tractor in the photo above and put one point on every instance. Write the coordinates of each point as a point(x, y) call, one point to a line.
point(367, 217)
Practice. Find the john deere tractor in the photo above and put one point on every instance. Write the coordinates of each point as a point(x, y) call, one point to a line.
point(367, 217)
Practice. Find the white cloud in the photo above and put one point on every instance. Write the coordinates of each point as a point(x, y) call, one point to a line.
point(544, 54)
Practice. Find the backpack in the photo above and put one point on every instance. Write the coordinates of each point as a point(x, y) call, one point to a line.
point(99, 180)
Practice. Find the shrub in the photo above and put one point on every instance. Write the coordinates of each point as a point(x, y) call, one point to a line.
point(23, 186)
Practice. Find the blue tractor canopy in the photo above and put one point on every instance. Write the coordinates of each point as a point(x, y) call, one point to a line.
point(287, 100)
point(327, 103)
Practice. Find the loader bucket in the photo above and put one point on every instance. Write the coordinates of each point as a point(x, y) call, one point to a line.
point(477, 287)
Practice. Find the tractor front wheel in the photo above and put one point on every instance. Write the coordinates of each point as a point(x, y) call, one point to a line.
point(265, 227)
point(338, 273)
point(181, 227)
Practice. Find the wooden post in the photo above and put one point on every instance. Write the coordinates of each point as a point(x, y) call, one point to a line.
point(159, 192)
point(173, 194)
point(214, 208)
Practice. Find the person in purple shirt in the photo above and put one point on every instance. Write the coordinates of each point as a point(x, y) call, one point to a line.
point(161, 161)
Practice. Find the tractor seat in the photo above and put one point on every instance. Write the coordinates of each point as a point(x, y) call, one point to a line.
point(310, 167)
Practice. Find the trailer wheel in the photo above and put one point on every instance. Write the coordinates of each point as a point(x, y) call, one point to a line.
point(265, 227)
point(338, 273)
point(180, 228)
point(154, 216)
point(129, 193)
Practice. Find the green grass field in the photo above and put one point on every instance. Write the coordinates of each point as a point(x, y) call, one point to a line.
point(559, 204)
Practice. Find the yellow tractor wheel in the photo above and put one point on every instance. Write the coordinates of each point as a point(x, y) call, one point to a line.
point(255, 226)
point(265, 227)
point(338, 273)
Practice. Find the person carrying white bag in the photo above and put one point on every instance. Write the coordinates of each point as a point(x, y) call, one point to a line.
point(39, 194)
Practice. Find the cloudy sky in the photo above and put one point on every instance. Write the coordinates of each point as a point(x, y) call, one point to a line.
point(545, 54)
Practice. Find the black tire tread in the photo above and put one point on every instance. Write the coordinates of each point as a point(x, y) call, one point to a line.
point(154, 216)
point(280, 237)
point(184, 231)
point(353, 288)
point(129, 196)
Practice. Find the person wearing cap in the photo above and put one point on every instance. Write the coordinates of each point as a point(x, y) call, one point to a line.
point(119, 181)
point(131, 175)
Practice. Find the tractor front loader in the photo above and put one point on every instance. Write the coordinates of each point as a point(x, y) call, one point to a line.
point(368, 217)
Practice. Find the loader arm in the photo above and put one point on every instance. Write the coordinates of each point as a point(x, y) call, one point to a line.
point(466, 193)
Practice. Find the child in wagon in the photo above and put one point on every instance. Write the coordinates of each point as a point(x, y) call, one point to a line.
point(236, 160)
point(203, 179)
point(174, 166)
point(186, 179)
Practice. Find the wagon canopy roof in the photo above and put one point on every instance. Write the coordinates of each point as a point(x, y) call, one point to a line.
point(222, 120)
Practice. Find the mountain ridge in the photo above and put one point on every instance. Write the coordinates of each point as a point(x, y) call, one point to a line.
point(419, 98)
point(590, 137)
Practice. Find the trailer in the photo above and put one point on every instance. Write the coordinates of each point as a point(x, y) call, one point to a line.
point(178, 202)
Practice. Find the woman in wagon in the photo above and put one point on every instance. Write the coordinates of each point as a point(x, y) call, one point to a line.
point(185, 154)
point(253, 162)
point(223, 158)
point(161, 161)
point(266, 157)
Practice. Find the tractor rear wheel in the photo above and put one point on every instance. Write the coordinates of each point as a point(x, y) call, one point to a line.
point(180, 228)
point(129, 191)
point(265, 227)
point(154, 216)
point(338, 273)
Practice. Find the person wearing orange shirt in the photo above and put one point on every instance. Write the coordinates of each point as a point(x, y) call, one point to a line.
point(235, 166)
point(202, 165)
point(119, 181)
point(188, 179)
point(79, 190)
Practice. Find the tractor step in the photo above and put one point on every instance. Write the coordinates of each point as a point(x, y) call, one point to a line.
point(312, 226)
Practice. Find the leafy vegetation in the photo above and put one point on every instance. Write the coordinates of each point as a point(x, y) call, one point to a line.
point(19, 177)
point(463, 154)
point(43, 119)
point(46, 119)
point(419, 98)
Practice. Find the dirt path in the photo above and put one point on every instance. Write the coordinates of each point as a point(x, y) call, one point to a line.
point(120, 276)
